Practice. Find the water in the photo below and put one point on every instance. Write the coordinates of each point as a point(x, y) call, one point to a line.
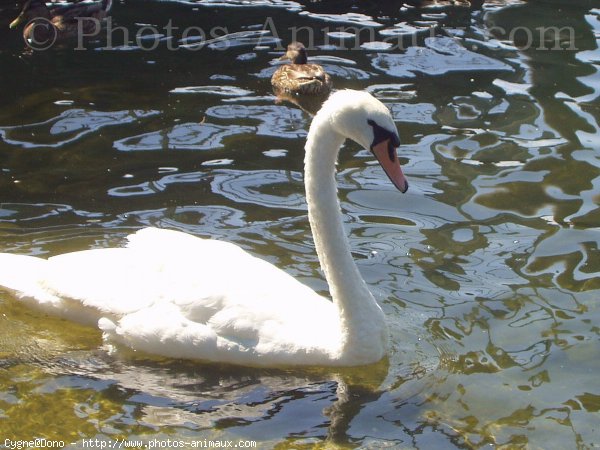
point(487, 269)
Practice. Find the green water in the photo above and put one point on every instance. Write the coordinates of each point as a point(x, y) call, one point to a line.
point(487, 269)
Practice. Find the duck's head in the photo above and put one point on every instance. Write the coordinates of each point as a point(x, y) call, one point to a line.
point(364, 119)
point(296, 52)
point(31, 9)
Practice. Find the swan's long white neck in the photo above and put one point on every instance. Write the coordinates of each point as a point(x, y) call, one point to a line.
point(362, 321)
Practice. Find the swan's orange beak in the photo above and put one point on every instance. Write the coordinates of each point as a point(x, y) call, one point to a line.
point(385, 153)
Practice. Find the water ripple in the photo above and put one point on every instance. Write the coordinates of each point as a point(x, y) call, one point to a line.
point(186, 136)
point(277, 121)
point(347, 73)
point(251, 38)
point(286, 4)
point(160, 185)
point(269, 188)
point(68, 127)
point(223, 91)
point(442, 55)
point(24, 212)
point(353, 18)
point(404, 29)
point(419, 113)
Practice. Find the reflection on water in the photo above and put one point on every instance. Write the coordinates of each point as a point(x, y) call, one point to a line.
point(187, 136)
point(69, 126)
point(276, 121)
point(441, 55)
point(487, 269)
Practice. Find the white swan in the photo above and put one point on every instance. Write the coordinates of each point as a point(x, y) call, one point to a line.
point(173, 294)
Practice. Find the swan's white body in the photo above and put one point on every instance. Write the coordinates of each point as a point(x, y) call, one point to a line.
point(173, 294)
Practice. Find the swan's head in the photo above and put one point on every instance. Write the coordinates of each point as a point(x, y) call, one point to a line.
point(364, 119)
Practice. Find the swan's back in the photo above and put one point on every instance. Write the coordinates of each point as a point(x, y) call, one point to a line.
point(177, 295)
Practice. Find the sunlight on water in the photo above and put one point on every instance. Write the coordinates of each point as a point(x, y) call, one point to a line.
point(487, 268)
point(70, 126)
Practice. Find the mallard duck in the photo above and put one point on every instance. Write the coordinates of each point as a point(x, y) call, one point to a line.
point(299, 77)
point(47, 25)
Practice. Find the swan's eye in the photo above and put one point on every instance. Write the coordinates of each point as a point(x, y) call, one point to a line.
point(381, 134)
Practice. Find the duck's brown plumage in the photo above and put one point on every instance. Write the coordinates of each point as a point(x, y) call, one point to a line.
point(299, 77)
point(60, 22)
